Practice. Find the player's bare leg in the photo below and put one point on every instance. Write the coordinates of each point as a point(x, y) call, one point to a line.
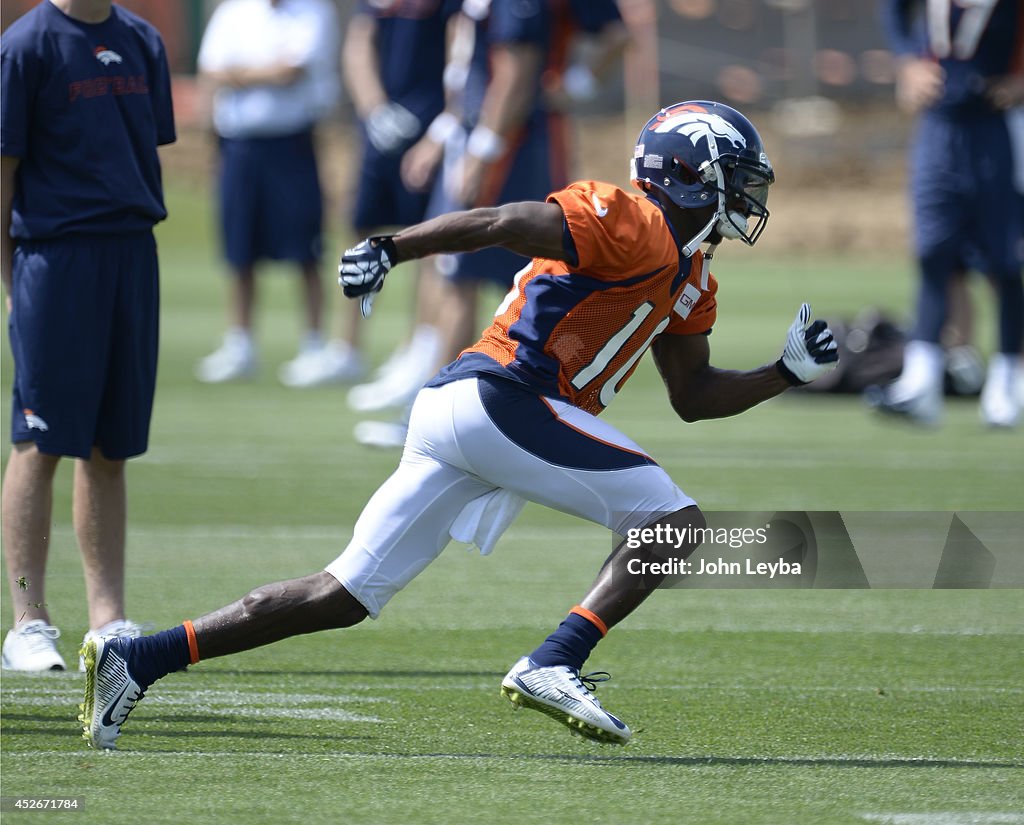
point(27, 510)
point(277, 611)
point(236, 357)
point(242, 299)
point(458, 318)
point(313, 296)
point(99, 513)
point(119, 670)
point(549, 680)
point(616, 593)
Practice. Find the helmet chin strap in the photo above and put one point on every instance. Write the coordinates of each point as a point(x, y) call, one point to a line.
point(730, 225)
point(698, 239)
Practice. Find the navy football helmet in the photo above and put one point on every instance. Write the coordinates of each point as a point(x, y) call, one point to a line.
point(701, 153)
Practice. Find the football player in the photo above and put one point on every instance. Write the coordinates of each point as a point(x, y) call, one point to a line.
point(962, 72)
point(515, 417)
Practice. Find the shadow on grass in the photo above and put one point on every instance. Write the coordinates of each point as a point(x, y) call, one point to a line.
point(376, 674)
point(711, 761)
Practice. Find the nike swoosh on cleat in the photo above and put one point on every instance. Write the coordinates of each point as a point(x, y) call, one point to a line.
point(115, 705)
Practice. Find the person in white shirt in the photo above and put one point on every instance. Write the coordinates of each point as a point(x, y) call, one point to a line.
point(273, 68)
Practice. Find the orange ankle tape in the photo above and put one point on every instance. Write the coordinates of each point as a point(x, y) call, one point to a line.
point(591, 617)
point(193, 645)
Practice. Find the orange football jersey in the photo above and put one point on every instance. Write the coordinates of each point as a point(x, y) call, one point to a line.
point(578, 331)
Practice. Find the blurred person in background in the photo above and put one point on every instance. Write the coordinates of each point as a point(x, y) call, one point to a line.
point(503, 138)
point(86, 100)
point(962, 73)
point(273, 65)
point(393, 60)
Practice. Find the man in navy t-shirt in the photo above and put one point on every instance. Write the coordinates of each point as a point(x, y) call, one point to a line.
point(86, 101)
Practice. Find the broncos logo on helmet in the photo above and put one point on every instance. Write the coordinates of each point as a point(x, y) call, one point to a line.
point(701, 153)
point(697, 125)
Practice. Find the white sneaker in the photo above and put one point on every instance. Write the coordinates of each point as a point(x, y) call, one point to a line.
point(917, 394)
point(561, 693)
point(965, 370)
point(401, 377)
point(235, 360)
point(396, 389)
point(110, 692)
point(31, 647)
point(382, 434)
point(923, 407)
point(999, 407)
point(335, 363)
point(117, 629)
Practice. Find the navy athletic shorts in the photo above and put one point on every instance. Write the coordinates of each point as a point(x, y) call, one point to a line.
point(531, 173)
point(271, 205)
point(963, 192)
point(84, 332)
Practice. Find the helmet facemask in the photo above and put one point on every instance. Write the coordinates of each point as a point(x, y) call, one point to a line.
point(742, 188)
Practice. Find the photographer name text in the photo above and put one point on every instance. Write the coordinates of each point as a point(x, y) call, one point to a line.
point(713, 567)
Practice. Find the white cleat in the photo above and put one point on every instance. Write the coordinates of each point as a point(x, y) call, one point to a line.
point(233, 361)
point(384, 435)
point(31, 648)
point(118, 629)
point(110, 692)
point(334, 363)
point(401, 376)
point(561, 693)
point(999, 406)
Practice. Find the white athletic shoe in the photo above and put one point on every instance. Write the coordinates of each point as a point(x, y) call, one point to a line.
point(334, 363)
point(110, 692)
point(384, 435)
point(919, 405)
point(395, 389)
point(999, 407)
point(118, 629)
point(561, 693)
point(31, 648)
point(401, 376)
point(234, 360)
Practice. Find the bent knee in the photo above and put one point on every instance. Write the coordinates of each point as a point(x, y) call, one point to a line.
point(334, 602)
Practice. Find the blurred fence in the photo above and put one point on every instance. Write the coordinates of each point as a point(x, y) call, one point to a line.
point(744, 51)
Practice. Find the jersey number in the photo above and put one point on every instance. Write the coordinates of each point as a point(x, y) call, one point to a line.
point(963, 43)
point(612, 348)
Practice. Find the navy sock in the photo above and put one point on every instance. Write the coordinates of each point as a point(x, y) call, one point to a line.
point(1011, 313)
point(153, 657)
point(570, 644)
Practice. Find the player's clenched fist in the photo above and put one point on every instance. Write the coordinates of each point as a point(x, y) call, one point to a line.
point(810, 350)
point(363, 268)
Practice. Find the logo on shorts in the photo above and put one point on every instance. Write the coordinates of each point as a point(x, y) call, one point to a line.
point(34, 422)
point(107, 56)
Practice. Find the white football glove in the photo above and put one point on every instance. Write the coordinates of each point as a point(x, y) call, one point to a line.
point(390, 126)
point(363, 268)
point(810, 351)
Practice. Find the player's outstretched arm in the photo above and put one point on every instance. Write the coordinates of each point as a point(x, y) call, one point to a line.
point(698, 390)
point(529, 228)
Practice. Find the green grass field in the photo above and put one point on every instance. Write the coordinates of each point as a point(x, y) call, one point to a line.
point(750, 707)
